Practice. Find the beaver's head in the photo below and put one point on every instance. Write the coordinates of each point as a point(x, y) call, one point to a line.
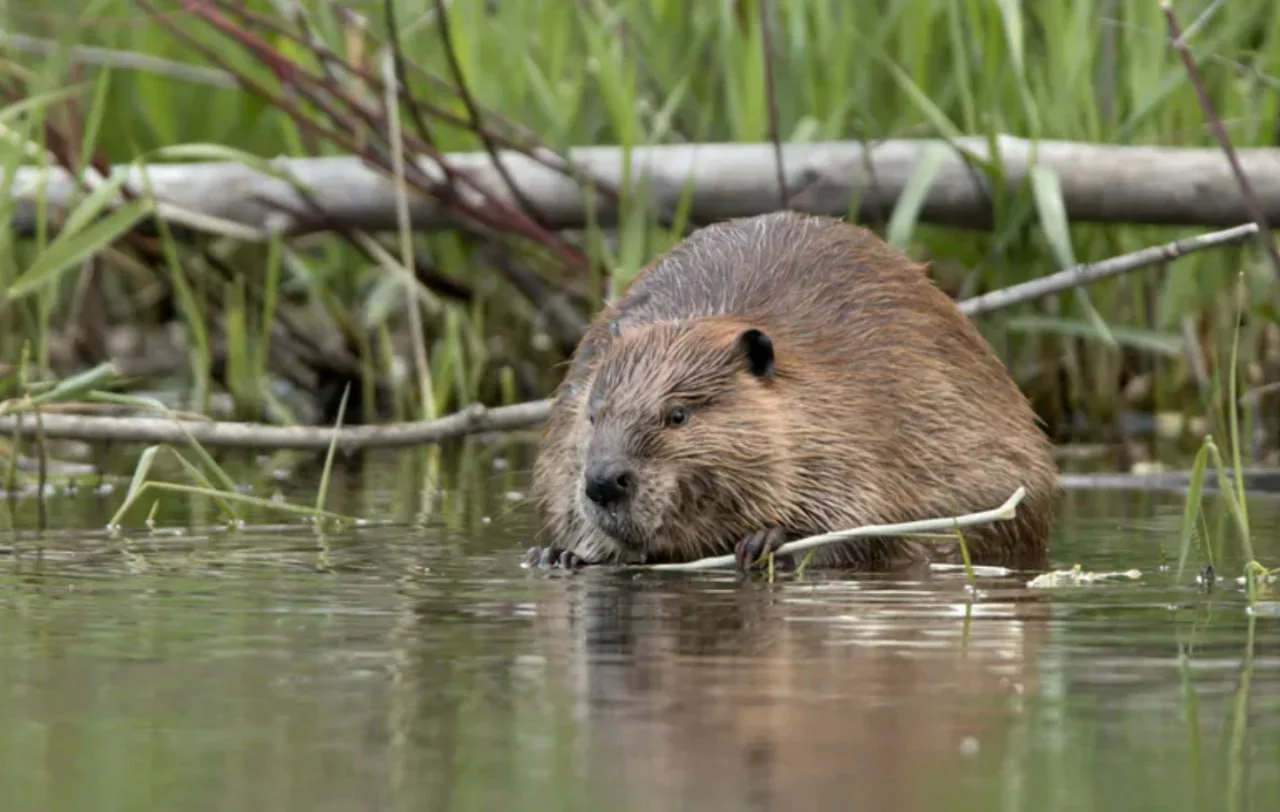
point(683, 446)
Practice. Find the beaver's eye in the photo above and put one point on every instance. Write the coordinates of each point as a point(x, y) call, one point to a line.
point(677, 415)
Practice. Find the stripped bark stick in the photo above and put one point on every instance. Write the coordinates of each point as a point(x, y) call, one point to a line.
point(1004, 512)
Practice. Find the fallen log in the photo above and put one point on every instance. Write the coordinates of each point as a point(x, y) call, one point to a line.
point(1101, 183)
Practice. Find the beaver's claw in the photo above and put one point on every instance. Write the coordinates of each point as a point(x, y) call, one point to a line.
point(552, 558)
point(757, 546)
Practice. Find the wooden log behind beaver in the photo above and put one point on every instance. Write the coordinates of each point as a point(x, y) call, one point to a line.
point(780, 376)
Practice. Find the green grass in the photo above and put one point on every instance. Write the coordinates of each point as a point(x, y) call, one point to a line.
point(625, 72)
point(1233, 499)
point(89, 388)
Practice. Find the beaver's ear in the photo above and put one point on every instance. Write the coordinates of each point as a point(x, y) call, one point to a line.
point(758, 348)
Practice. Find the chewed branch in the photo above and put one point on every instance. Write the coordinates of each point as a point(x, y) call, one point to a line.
point(1003, 513)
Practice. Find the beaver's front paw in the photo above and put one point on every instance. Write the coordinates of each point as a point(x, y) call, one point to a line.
point(552, 558)
point(756, 547)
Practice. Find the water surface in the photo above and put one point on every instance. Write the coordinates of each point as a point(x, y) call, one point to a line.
point(417, 666)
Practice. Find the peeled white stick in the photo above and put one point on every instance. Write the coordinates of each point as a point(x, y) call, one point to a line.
point(1006, 511)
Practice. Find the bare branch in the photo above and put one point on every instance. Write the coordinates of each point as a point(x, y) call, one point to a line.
point(1080, 275)
point(475, 419)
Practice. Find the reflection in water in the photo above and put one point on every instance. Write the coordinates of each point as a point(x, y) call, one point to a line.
point(714, 696)
point(418, 667)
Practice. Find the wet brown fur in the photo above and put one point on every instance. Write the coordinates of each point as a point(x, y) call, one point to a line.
point(885, 405)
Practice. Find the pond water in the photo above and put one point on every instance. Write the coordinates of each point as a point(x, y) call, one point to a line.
point(416, 666)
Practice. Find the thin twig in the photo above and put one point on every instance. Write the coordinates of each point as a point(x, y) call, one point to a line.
point(446, 192)
point(473, 112)
point(323, 51)
point(294, 10)
point(1079, 275)
point(525, 141)
point(292, 74)
point(402, 78)
point(1003, 513)
point(766, 40)
point(1220, 132)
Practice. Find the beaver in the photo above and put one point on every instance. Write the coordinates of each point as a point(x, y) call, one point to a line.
point(780, 376)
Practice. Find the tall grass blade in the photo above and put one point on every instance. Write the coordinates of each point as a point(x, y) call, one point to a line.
point(76, 385)
point(37, 103)
point(70, 248)
point(333, 450)
point(97, 112)
point(145, 459)
point(1159, 342)
point(1191, 509)
point(1046, 188)
point(223, 496)
point(1228, 492)
point(1233, 405)
point(906, 211)
point(925, 105)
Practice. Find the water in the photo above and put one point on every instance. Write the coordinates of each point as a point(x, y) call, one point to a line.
point(398, 668)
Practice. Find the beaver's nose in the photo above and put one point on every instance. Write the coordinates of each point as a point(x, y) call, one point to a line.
point(608, 483)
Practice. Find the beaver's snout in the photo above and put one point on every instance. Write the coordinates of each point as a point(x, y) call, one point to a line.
point(609, 483)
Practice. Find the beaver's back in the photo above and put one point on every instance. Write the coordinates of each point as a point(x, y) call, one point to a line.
point(779, 267)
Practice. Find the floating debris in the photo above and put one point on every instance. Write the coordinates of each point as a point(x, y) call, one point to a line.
point(979, 570)
point(1260, 578)
point(1077, 576)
